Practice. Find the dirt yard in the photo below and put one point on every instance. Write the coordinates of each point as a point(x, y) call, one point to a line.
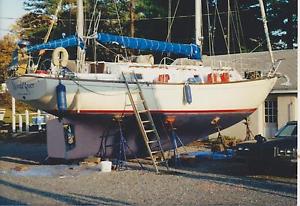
point(24, 179)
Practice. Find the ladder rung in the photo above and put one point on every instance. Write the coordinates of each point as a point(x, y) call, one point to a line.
point(162, 161)
point(152, 141)
point(141, 100)
point(150, 130)
point(142, 111)
point(134, 92)
point(155, 152)
point(146, 121)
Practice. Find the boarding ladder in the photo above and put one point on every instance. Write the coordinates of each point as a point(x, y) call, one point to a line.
point(145, 122)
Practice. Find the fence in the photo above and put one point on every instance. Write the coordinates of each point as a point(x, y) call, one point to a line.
point(37, 118)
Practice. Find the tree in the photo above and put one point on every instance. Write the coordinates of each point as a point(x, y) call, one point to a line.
point(282, 22)
point(112, 11)
point(115, 18)
point(7, 46)
point(151, 22)
point(32, 27)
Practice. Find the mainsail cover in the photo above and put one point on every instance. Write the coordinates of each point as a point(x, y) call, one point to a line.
point(190, 50)
point(65, 42)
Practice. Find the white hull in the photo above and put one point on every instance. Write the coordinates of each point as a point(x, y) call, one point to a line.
point(92, 104)
point(110, 97)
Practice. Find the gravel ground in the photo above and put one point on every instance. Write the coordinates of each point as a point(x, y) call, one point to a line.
point(203, 183)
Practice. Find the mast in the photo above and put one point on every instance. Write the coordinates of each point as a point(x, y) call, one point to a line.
point(263, 15)
point(228, 27)
point(80, 25)
point(132, 17)
point(198, 23)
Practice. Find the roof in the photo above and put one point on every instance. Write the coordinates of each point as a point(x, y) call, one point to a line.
point(261, 61)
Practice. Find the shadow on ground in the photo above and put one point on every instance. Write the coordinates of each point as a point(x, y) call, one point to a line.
point(22, 153)
point(236, 174)
point(7, 201)
point(73, 199)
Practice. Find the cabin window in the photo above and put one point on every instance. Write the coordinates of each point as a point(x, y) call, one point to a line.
point(98, 68)
point(271, 111)
point(139, 76)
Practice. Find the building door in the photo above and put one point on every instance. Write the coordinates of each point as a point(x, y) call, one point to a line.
point(271, 117)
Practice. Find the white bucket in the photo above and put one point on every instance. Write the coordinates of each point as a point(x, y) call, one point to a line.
point(105, 166)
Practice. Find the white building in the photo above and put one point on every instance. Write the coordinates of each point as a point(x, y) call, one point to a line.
point(281, 104)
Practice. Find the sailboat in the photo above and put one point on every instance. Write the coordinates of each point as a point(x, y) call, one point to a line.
point(88, 97)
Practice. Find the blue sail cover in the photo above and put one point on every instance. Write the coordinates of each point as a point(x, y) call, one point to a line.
point(65, 42)
point(190, 50)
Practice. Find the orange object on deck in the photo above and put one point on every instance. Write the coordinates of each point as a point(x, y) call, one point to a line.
point(225, 77)
point(213, 78)
point(164, 78)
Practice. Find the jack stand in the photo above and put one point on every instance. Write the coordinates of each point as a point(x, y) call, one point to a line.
point(249, 134)
point(121, 161)
point(103, 144)
point(220, 138)
point(121, 156)
point(175, 140)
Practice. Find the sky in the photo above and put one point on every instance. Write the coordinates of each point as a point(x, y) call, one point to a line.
point(10, 10)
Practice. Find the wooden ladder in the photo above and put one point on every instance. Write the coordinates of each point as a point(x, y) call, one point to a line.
point(146, 123)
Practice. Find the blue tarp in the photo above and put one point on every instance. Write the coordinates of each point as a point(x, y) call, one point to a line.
point(65, 42)
point(190, 50)
point(201, 155)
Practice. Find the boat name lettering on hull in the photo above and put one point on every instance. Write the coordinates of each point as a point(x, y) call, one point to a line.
point(24, 85)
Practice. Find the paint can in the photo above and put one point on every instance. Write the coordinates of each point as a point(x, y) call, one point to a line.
point(105, 166)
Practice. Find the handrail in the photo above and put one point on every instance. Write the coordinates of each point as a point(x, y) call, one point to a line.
point(164, 60)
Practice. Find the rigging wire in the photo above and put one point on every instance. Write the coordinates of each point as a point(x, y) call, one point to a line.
point(237, 36)
point(119, 22)
point(96, 26)
point(221, 26)
point(54, 20)
point(108, 49)
point(239, 22)
point(172, 21)
point(92, 18)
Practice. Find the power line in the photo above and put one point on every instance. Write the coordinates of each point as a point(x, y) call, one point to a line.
point(141, 19)
point(3, 29)
point(8, 18)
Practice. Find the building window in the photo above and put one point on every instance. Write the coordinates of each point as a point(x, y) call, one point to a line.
point(271, 111)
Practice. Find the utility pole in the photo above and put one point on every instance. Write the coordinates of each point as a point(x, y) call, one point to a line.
point(132, 17)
